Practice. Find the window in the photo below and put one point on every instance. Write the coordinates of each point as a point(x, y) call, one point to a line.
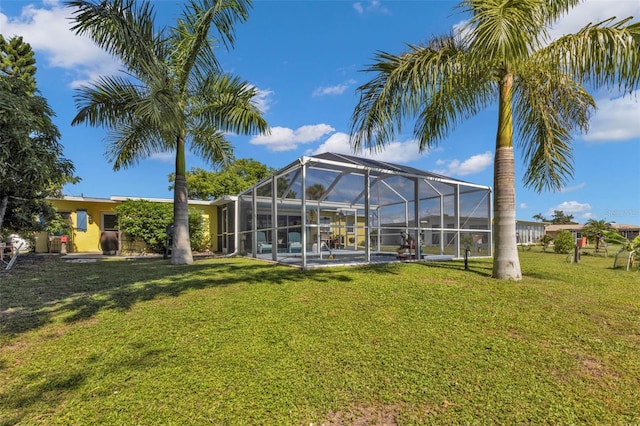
point(109, 222)
point(81, 220)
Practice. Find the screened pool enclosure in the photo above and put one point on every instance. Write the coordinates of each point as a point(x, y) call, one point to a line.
point(337, 209)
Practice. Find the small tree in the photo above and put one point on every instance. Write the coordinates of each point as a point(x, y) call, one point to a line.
point(594, 230)
point(563, 243)
point(545, 241)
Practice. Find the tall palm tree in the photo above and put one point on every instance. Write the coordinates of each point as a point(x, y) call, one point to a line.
point(502, 54)
point(174, 92)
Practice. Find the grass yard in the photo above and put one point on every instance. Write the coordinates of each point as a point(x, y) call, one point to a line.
point(241, 342)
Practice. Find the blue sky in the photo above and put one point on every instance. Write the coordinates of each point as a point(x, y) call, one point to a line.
point(306, 58)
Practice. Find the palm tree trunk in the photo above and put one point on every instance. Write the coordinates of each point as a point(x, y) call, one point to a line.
point(4, 202)
point(181, 250)
point(506, 263)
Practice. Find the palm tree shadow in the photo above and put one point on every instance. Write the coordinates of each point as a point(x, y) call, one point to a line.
point(481, 269)
point(33, 298)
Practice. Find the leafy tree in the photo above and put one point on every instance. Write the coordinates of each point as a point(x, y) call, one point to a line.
point(502, 54)
point(540, 217)
point(315, 191)
point(559, 218)
point(174, 93)
point(563, 243)
point(231, 179)
point(31, 163)
point(146, 221)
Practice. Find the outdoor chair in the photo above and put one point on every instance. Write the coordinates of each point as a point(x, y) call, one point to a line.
point(263, 245)
point(295, 242)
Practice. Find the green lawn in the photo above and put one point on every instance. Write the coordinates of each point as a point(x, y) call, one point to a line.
point(238, 342)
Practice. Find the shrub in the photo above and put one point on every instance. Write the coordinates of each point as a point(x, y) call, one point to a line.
point(545, 241)
point(145, 221)
point(196, 231)
point(563, 242)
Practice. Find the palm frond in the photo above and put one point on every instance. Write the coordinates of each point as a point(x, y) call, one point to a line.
point(191, 36)
point(425, 83)
point(602, 54)
point(226, 103)
point(132, 141)
point(548, 107)
point(211, 146)
point(505, 32)
point(123, 28)
point(105, 102)
point(225, 14)
point(135, 119)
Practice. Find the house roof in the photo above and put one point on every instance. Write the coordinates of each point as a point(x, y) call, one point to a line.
point(120, 198)
point(338, 180)
point(378, 167)
point(578, 227)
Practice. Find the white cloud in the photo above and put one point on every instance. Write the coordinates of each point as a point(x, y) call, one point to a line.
point(263, 99)
point(370, 6)
point(338, 89)
point(570, 207)
point(47, 30)
point(524, 206)
point(394, 152)
point(165, 157)
point(572, 188)
point(286, 139)
point(472, 165)
point(615, 120)
point(593, 11)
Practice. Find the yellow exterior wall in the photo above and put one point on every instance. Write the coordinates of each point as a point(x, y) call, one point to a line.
point(89, 241)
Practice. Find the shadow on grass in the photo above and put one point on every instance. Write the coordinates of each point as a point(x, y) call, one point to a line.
point(32, 297)
point(482, 269)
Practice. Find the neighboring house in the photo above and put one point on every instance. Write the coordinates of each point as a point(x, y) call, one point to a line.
point(530, 232)
point(575, 229)
point(90, 217)
point(627, 231)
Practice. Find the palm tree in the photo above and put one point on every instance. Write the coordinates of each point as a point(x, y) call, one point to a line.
point(502, 54)
point(174, 92)
point(595, 229)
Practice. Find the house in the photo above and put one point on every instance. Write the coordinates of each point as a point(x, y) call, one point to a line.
point(529, 232)
point(324, 208)
point(90, 217)
point(626, 230)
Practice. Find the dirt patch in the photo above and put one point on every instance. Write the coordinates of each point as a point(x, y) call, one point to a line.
point(383, 415)
point(364, 415)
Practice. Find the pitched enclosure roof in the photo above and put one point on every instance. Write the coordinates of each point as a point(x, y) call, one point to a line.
point(345, 162)
point(332, 178)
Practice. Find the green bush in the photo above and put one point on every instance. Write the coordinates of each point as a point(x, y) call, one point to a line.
point(563, 242)
point(196, 231)
point(146, 221)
